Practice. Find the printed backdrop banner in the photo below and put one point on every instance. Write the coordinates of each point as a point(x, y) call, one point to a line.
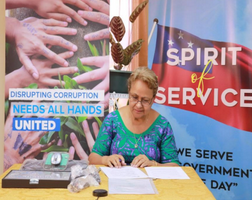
point(222, 88)
point(63, 109)
point(202, 55)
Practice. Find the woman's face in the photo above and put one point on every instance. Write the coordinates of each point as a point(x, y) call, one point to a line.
point(140, 99)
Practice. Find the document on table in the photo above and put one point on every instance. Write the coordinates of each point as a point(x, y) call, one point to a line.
point(126, 172)
point(132, 186)
point(166, 172)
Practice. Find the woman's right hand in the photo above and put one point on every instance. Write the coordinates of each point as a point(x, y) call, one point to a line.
point(114, 160)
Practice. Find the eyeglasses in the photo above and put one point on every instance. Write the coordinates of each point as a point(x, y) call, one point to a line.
point(144, 102)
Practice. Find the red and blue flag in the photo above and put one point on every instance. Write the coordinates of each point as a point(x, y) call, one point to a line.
point(208, 77)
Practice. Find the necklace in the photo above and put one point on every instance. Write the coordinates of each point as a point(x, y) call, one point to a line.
point(136, 141)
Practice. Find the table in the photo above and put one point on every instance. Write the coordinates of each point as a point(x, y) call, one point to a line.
point(187, 189)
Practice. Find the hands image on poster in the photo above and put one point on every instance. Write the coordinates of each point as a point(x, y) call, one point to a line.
point(21, 145)
point(77, 147)
point(43, 66)
point(56, 45)
point(31, 36)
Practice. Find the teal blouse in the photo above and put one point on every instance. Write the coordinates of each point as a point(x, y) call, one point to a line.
point(157, 142)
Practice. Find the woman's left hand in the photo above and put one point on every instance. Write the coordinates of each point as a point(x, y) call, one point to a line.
point(141, 161)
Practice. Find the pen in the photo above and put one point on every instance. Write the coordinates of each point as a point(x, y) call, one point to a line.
point(120, 160)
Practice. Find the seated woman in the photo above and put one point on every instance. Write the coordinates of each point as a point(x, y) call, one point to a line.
point(136, 134)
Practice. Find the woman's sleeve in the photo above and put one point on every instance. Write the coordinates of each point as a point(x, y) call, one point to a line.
point(104, 138)
point(168, 146)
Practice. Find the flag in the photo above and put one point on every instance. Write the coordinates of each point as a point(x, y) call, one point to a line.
point(208, 77)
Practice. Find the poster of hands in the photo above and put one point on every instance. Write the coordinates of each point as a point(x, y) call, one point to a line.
point(57, 77)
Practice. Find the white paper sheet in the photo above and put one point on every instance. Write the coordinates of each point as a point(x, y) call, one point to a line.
point(132, 186)
point(166, 172)
point(126, 172)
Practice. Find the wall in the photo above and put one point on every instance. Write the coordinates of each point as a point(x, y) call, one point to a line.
point(2, 73)
point(139, 32)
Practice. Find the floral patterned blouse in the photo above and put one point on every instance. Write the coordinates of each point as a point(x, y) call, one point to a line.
point(157, 142)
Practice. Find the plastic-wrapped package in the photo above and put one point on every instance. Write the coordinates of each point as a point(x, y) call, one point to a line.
point(82, 174)
point(82, 178)
point(38, 165)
